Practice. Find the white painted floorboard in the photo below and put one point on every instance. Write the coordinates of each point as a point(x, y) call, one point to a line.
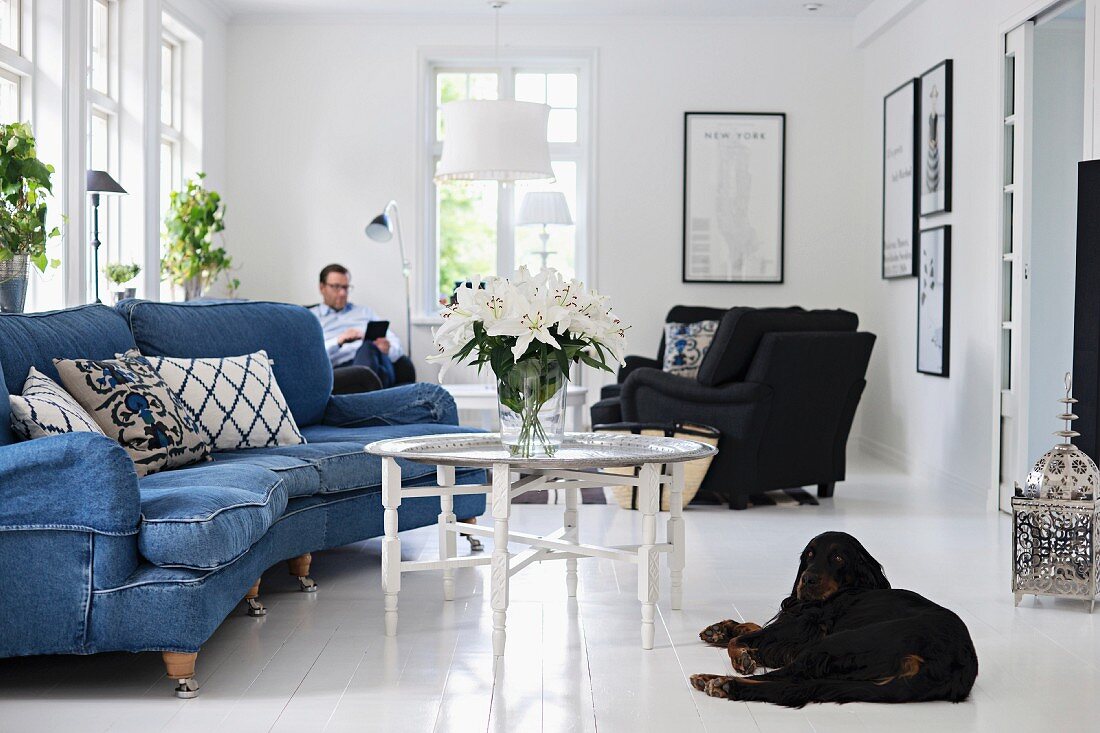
point(320, 662)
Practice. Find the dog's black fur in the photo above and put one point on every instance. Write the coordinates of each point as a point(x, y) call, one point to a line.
point(844, 636)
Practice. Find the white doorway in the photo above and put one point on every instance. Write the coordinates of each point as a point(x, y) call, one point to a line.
point(1043, 131)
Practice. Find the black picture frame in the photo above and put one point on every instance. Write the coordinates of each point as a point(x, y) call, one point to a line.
point(929, 205)
point(912, 88)
point(943, 293)
point(782, 187)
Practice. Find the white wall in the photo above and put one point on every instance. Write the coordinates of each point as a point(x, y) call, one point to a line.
point(1059, 75)
point(322, 131)
point(931, 424)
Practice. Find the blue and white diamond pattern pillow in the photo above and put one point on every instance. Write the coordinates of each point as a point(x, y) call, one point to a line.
point(685, 346)
point(46, 409)
point(236, 400)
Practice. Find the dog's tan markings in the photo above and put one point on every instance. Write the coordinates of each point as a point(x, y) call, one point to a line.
point(716, 686)
point(722, 632)
point(909, 667)
point(699, 681)
point(741, 658)
point(746, 628)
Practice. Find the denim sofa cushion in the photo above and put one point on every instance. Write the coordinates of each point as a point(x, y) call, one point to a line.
point(208, 515)
point(290, 335)
point(334, 460)
point(36, 339)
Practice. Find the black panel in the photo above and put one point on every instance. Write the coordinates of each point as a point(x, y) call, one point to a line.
point(1086, 312)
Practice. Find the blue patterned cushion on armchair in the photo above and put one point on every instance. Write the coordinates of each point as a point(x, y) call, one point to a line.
point(685, 346)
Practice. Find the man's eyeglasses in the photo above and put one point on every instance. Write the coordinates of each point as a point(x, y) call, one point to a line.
point(345, 288)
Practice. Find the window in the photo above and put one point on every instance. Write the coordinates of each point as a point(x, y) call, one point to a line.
point(171, 119)
point(9, 24)
point(472, 231)
point(102, 148)
point(9, 96)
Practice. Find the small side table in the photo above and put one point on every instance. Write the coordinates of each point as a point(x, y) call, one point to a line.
point(578, 464)
point(480, 396)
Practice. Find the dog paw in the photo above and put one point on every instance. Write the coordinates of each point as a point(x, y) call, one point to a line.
point(721, 633)
point(699, 681)
point(741, 658)
point(719, 687)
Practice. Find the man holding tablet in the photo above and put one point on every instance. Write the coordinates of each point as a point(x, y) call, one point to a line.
point(353, 333)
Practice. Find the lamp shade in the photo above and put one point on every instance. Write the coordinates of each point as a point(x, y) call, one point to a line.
point(380, 228)
point(498, 140)
point(101, 182)
point(544, 207)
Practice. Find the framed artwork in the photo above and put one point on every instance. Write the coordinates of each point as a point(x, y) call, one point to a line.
point(900, 193)
point(935, 139)
point(934, 302)
point(733, 197)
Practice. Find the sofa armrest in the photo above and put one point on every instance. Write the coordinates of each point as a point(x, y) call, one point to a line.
point(78, 481)
point(636, 362)
point(405, 405)
point(682, 389)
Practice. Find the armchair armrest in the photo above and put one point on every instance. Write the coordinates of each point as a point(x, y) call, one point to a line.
point(636, 362)
point(78, 481)
point(680, 389)
point(405, 405)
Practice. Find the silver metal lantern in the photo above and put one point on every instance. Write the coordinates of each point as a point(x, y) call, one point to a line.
point(1055, 531)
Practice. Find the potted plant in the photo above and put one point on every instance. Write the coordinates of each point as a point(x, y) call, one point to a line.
point(119, 274)
point(24, 187)
point(530, 329)
point(190, 258)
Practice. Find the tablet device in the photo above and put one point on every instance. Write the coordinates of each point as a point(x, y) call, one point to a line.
point(376, 330)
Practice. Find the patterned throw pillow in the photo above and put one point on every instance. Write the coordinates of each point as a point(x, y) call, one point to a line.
point(236, 399)
point(45, 409)
point(133, 405)
point(685, 346)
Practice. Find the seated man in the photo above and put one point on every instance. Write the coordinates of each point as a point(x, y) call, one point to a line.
point(345, 324)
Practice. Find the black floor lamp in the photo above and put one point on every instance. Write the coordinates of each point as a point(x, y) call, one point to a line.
point(96, 183)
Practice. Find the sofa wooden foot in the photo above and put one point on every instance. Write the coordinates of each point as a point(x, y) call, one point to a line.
point(180, 666)
point(825, 491)
point(475, 543)
point(299, 568)
point(252, 601)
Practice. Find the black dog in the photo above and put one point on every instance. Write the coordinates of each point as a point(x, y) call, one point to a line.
point(844, 636)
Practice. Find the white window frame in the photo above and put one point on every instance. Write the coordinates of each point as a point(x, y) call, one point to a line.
point(18, 64)
point(106, 107)
point(506, 66)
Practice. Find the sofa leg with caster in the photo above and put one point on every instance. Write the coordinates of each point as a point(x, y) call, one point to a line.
point(180, 667)
point(252, 600)
point(475, 543)
point(299, 568)
point(825, 491)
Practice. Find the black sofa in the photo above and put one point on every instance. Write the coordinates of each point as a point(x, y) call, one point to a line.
point(781, 384)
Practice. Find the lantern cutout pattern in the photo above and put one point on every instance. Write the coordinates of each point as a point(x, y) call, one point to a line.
point(1054, 521)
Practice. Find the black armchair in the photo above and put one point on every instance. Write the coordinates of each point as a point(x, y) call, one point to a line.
point(782, 386)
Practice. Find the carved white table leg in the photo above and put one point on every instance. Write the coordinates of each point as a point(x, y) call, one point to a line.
point(648, 567)
point(391, 545)
point(498, 591)
point(572, 534)
point(445, 476)
point(675, 536)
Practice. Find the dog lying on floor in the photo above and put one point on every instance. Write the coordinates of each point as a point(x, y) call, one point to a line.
point(844, 635)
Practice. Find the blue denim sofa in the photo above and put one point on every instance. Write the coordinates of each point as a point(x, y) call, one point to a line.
point(96, 559)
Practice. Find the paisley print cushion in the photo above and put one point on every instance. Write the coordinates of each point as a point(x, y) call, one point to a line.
point(133, 405)
point(685, 346)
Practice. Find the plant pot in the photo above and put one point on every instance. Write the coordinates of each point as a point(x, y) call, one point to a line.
point(192, 289)
point(532, 408)
point(13, 284)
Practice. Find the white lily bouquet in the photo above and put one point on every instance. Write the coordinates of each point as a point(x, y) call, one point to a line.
point(530, 329)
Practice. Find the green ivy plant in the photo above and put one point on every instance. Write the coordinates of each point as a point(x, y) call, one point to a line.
point(190, 258)
point(120, 274)
point(24, 187)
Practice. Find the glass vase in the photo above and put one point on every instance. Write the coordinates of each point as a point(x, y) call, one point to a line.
point(531, 399)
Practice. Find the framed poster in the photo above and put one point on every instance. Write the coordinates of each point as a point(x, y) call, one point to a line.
point(733, 197)
point(934, 302)
point(900, 193)
point(935, 139)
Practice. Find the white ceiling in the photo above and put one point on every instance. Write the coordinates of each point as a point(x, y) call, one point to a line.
point(564, 8)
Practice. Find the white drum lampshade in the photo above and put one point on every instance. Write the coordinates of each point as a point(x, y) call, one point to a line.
point(544, 207)
point(495, 140)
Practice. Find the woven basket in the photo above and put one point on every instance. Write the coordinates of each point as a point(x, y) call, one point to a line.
point(694, 471)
